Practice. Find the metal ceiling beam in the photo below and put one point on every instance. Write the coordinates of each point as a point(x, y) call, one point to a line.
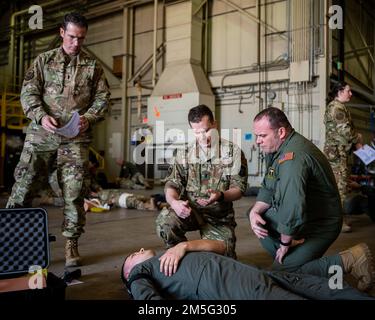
point(255, 19)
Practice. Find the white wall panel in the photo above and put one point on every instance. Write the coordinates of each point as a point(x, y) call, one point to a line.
point(105, 52)
point(105, 29)
point(144, 18)
point(248, 41)
point(180, 14)
point(240, 129)
point(143, 36)
point(142, 48)
point(277, 18)
point(218, 44)
point(104, 39)
point(234, 35)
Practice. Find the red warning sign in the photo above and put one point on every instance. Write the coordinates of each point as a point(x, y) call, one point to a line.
point(172, 96)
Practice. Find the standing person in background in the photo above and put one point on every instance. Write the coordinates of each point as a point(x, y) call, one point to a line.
point(58, 83)
point(341, 138)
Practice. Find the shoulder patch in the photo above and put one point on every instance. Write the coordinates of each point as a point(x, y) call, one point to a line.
point(286, 156)
point(340, 115)
point(29, 74)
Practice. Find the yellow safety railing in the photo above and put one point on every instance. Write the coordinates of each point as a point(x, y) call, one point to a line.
point(98, 157)
point(11, 117)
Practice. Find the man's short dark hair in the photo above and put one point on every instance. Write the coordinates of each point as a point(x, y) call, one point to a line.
point(76, 19)
point(197, 113)
point(128, 282)
point(276, 118)
point(124, 281)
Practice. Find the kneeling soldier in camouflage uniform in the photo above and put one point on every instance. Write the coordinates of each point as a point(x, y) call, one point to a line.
point(204, 180)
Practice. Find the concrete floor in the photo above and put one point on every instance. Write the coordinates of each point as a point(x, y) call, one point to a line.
point(110, 236)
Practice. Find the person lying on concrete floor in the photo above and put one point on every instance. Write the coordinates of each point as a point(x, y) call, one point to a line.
point(180, 273)
point(108, 197)
point(121, 199)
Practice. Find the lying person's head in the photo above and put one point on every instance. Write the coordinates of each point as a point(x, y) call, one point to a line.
point(135, 258)
point(132, 260)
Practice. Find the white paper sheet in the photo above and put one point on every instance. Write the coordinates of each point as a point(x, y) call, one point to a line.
point(366, 154)
point(71, 129)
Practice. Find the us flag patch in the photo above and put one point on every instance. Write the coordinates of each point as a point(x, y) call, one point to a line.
point(286, 156)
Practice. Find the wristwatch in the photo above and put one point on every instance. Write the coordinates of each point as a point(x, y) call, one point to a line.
point(285, 244)
point(221, 198)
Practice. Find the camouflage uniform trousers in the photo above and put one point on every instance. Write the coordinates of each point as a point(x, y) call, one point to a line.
point(37, 161)
point(172, 229)
point(341, 172)
point(132, 201)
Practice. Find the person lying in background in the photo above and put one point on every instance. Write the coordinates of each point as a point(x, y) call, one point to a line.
point(121, 199)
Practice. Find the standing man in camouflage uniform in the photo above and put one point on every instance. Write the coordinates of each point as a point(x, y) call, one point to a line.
point(204, 180)
point(298, 213)
point(341, 138)
point(58, 83)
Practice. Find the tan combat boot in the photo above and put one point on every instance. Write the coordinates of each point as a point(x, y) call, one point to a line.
point(72, 258)
point(358, 262)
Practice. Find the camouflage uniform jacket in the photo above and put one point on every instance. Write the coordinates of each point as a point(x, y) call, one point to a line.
point(340, 133)
point(56, 87)
point(192, 174)
point(300, 187)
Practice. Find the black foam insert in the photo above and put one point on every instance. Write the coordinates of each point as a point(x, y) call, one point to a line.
point(23, 240)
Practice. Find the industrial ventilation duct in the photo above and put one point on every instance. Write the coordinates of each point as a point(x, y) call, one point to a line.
point(183, 83)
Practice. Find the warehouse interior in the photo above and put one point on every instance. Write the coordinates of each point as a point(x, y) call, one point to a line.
point(161, 58)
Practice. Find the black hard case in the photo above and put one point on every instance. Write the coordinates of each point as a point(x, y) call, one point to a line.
point(24, 242)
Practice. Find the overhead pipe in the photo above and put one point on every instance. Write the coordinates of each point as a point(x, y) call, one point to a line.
point(309, 32)
point(154, 49)
point(265, 78)
point(341, 44)
point(130, 52)
point(125, 115)
point(21, 62)
point(260, 100)
point(206, 38)
point(139, 102)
